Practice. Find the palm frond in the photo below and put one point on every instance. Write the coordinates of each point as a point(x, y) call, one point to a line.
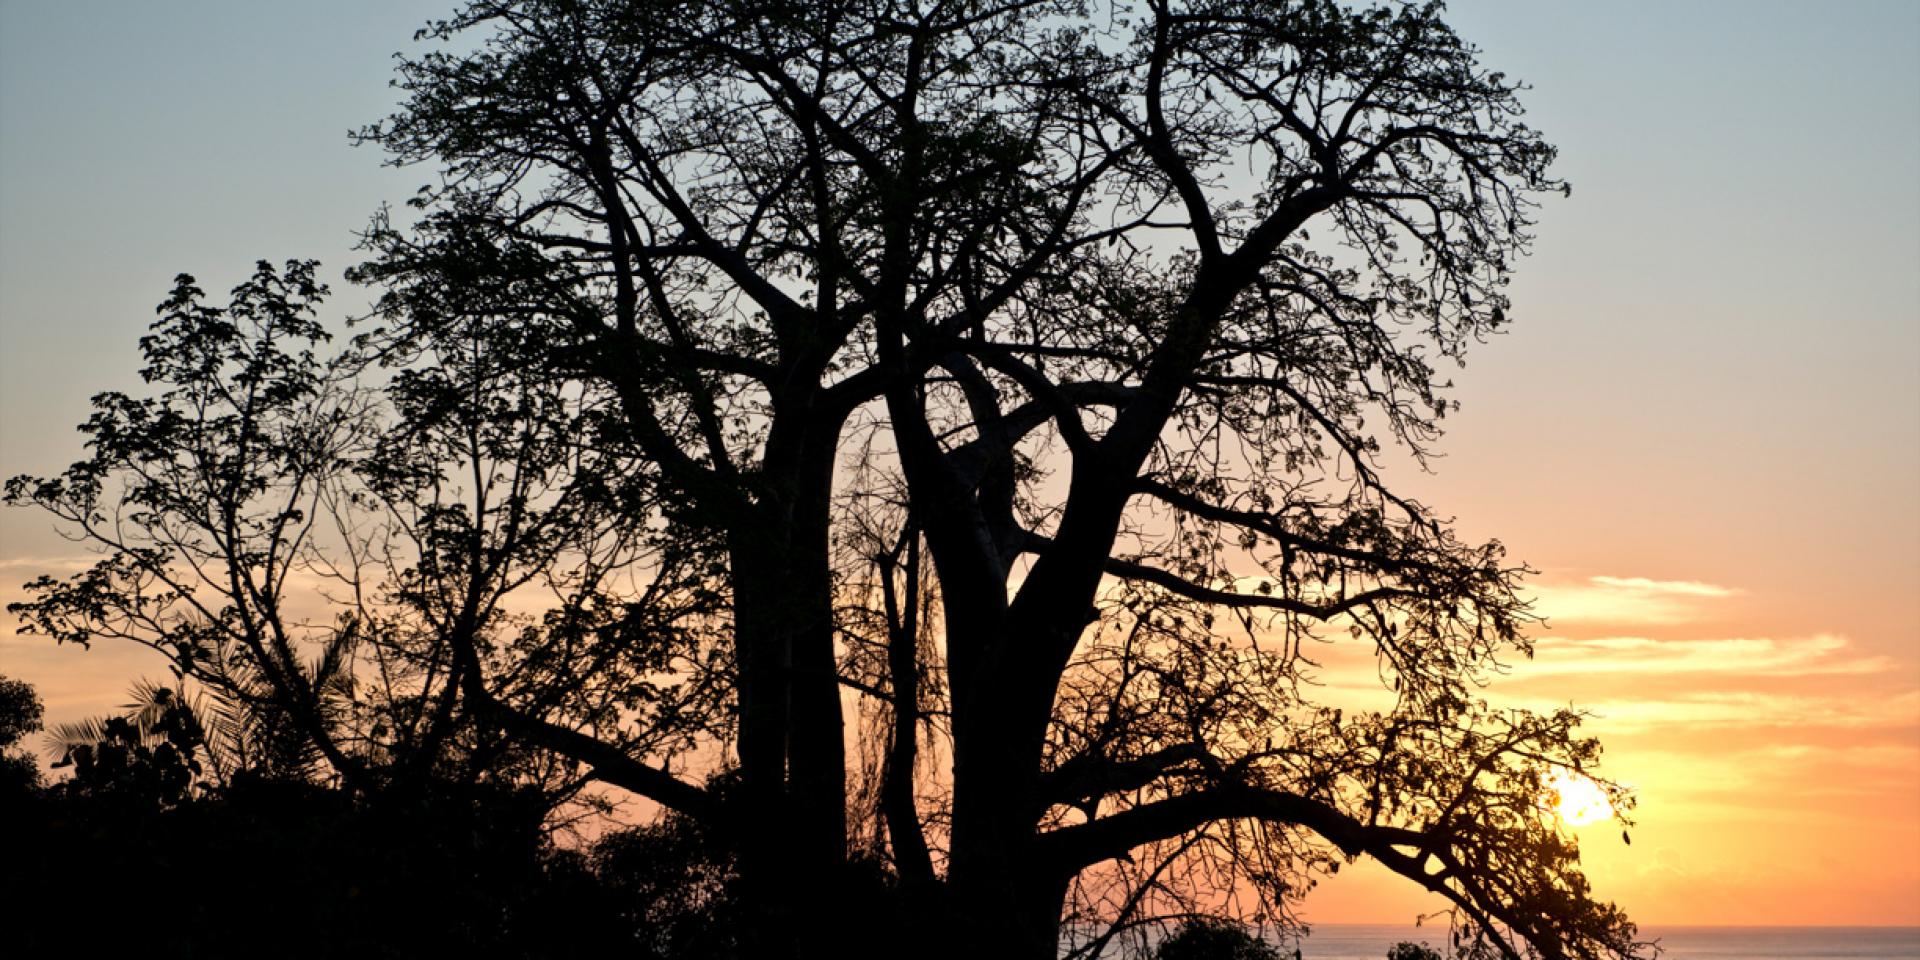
point(151, 701)
point(64, 738)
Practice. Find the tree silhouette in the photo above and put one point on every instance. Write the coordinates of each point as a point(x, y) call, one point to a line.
point(995, 390)
point(143, 848)
point(148, 757)
point(1215, 940)
point(20, 714)
point(301, 565)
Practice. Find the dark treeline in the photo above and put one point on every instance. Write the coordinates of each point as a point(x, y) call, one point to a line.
point(131, 850)
point(267, 865)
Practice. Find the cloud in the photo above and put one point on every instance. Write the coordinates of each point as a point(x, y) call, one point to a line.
point(1696, 712)
point(1824, 654)
point(1626, 600)
point(1787, 775)
point(48, 565)
point(1685, 588)
point(1638, 685)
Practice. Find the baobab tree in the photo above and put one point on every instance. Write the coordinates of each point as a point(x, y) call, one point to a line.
point(1006, 382)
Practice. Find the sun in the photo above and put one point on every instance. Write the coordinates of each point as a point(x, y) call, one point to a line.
point(1576, 800)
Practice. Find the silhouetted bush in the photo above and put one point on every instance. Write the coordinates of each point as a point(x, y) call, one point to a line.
point(278, 869)
point(286, 869)
point(671, 889)
point(20, 714)
point(1214, 940)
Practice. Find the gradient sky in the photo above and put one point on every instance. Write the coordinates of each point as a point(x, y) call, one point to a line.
point(1704, 429)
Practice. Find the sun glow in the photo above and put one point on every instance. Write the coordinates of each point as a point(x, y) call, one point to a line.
point(1576, 800)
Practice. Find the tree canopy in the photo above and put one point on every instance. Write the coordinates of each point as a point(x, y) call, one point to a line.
point(925, 443)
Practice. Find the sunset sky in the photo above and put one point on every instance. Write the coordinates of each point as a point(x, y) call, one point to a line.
point(1703, 429)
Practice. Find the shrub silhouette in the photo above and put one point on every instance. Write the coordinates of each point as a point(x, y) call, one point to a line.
point(1214, 940)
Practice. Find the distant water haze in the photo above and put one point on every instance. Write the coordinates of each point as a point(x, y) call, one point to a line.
point(1372, 941)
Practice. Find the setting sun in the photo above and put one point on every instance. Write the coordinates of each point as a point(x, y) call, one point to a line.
point(1576, 800)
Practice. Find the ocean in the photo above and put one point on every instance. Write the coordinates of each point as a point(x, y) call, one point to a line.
point(1371, 942)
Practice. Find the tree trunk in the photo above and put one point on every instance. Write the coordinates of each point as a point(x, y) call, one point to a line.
point(1011, 911)
point(793, 835)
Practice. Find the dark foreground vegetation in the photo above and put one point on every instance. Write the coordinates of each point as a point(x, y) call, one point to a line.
point(264, 864)
point(926, 447)
point(133, 852)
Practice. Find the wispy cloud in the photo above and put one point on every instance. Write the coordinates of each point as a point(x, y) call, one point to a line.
point(1796, 772)
point(1824, 654)
point(1626, 600)
point(1697, 712)
point(51, 565)
point(1684, 588)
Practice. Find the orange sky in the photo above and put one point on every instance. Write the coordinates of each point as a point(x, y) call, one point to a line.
point(1704, 428)
point(1778, 774)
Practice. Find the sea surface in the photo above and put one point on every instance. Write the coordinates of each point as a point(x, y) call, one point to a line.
point(1371, 942)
